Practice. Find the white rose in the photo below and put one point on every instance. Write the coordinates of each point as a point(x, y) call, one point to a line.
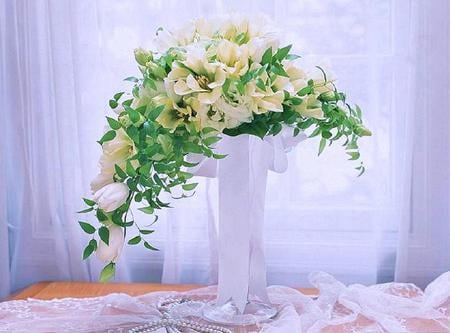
point(111, 252)
point(111, 196)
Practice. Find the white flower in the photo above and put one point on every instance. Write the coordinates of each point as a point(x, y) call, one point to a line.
point(233, 56)
point(111, 252)
point(116, 151)
point(257, 46)
point(111, 196)
point(232, 116)
point(310, 107)
point(105, 177)
point(202, 78)
point(260, 101)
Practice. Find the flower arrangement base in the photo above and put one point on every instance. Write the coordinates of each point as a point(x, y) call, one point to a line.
point(228, 314)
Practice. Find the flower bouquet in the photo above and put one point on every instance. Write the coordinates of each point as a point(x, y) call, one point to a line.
point(208, 80)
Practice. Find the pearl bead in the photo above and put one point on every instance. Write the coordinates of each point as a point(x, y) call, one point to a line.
point(167, 304)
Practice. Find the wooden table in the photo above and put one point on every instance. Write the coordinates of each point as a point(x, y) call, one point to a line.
point(50, 290)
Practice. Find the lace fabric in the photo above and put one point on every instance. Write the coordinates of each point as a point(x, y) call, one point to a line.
point(391, 307)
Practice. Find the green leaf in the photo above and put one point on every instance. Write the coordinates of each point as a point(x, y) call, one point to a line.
point(103, 232)
point(145, 169)
point(166, 143)
point(133, 133)
point(87, 210)
point(88, 250)
point(242, 38)
point(89, 202)
point(211, 140)
point(296, 101)
point(191, 147)
point(120, 172)
point(304, 91)
point(108, 272)
point(101, 216)
point(156, 112)
point(322, 144)
point(148, 246)
point(189, 187)
point(240, 87)
point(208, 130)
point(146, 232)
point(276, 128)
point(147, 210)
point(267, 57)
point(315, 132)
point(135, 240)
point(283, 52)
point(279, 70)
point(130, 170)
point(326, 134)
point(133, 114)
point(190, 165)
point(118, 95)
point(113, 104)
point(292, 57)
point(260, 84)
point(185, 175)
point(108, 136)
point(114, 124)
point(148, 82)
point(87, 228)
point(226, 86)
point(131, 79)
point(354, 155)
point(219, 156)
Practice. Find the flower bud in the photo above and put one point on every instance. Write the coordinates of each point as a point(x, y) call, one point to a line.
point(142, 56)
point(157, 70)
point(329, 96)
point(362, 131)
point(111, 196)
point(125, 120)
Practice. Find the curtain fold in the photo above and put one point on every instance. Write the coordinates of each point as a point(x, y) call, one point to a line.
point(60, 61)
point(424, 250)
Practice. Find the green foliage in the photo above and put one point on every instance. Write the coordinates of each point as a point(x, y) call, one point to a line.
point(87, 228)
point(108, 272)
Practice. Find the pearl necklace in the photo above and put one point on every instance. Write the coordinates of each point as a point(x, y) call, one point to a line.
point(165, 306)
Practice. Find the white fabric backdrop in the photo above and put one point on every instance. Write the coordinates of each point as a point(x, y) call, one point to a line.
point(60, 61)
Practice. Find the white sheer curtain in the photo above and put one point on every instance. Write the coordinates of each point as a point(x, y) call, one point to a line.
point(62, 60)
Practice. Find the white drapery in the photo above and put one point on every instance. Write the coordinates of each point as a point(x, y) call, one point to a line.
point(60, 61)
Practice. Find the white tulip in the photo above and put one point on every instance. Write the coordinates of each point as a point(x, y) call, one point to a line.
point(111, 196)
point(105, 177)
point(111, 252)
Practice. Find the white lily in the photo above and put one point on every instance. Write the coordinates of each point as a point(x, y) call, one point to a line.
point(310, 107)
point(235, 57)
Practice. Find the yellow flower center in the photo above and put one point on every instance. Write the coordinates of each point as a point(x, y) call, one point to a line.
point(202, 81)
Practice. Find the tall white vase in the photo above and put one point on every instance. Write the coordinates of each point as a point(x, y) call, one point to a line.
point(242, 295)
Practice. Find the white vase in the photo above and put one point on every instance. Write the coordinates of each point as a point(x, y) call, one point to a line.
point(242, 291)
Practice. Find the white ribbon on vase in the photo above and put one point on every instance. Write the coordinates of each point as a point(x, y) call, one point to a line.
point(242, 178)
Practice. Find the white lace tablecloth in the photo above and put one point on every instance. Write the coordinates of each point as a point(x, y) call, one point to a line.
point(391, 307)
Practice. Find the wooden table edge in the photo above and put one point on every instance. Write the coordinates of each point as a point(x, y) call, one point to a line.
point(59, 289)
